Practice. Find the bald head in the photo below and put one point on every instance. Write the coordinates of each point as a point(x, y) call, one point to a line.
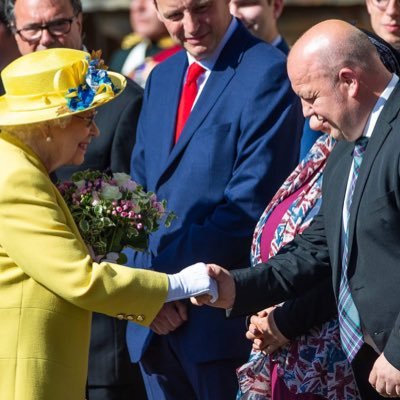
point(335, 43)
point(337, 73)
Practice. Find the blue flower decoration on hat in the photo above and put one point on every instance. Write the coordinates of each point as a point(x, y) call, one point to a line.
point(97, 83)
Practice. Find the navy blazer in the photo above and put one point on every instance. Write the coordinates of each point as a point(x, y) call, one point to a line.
point(283, 46)
point(238, 145)
point(374, 237)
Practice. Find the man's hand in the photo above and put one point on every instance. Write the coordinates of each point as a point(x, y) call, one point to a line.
point(226, 288)
point(264, 333)
point(171, 316)
point(385, 378)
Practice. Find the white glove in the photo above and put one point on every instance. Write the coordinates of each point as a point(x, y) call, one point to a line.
point(191, 281)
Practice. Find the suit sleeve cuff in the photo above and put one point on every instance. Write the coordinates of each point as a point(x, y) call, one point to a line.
point(392, 348)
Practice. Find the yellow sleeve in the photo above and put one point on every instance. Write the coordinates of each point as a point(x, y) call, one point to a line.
point(38, 235)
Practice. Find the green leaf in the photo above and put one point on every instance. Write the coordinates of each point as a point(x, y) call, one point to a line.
point(84, 225)
point(168, 221)
point(98, 209)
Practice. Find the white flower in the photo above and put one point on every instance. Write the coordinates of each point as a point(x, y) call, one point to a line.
point(130, 185)
point(110, 192)
point(96, 198)
point(124, 180)
point(121, 178)
point(80, 184)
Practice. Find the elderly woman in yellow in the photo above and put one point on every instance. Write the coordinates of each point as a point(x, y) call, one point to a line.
point(48, 282)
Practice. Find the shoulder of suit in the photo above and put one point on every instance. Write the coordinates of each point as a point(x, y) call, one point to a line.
point(130, 40)
point(166, 42)
point(133, 39)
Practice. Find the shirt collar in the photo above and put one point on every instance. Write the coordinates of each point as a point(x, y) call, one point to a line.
point(277, 41)
point(376, 111)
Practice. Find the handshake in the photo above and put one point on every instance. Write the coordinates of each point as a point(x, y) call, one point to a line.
point(204, 284)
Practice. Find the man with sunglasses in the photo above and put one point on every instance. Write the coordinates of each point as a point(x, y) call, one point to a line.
point(43, 24)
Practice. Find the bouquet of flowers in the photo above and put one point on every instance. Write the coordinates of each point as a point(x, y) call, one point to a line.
point(112, 211)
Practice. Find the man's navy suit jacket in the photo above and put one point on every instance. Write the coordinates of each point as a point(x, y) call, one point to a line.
point(239, 143)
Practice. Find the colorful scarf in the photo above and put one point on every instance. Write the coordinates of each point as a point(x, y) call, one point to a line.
point(314, 362)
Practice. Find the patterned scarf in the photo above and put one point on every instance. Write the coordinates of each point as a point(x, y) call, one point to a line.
point(314, 362)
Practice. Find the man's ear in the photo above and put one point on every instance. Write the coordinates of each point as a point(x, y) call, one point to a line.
point(278, 8)
point(348, 81)
point(79, 19)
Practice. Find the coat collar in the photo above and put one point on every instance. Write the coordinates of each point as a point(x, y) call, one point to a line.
point(4, 135)
point(382, 129)
point(338, 169)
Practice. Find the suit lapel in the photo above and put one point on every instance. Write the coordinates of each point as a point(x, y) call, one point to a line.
point(171, 85)
point(221, 75)
point(336, 187)
point(213, 89)
point(382, 129)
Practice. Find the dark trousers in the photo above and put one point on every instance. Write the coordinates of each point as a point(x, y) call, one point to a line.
point(123, 392)
point(362, 366)
point(133, 391)
point(169, 374)
point(111, 374)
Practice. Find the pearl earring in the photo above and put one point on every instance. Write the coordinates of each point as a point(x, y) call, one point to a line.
point(48, 139)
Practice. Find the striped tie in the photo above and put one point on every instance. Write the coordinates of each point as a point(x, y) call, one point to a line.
point(349, 321)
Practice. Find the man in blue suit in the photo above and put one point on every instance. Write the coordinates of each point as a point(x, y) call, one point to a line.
point(238, 144)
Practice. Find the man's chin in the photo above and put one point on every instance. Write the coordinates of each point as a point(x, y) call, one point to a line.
point(337, 135)
point(197, 51)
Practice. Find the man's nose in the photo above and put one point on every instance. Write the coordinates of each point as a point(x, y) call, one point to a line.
point(393, 7)
point(307, 109)
point(191, 23)
point(47, 39)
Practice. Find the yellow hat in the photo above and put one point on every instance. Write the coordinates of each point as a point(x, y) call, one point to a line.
point(55, 83)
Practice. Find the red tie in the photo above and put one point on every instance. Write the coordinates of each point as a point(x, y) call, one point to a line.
point(189, 93)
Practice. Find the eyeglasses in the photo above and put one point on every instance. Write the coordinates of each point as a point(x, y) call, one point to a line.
point(89, 119)
point(382, 4)
point(33, 33)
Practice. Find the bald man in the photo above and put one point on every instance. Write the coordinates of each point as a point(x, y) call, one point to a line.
point(346, 92)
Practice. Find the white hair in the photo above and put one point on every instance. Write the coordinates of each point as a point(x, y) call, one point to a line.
point(34, 130)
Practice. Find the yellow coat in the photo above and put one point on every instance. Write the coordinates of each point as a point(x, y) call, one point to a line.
point(49, 286)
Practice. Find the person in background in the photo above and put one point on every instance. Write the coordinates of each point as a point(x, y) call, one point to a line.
point(147, 45)
point(43, 24)
point(49, 283)
point(261, 18)
point(385, 20)
point(8, 47)
point(216, 153)
point(353, 241)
